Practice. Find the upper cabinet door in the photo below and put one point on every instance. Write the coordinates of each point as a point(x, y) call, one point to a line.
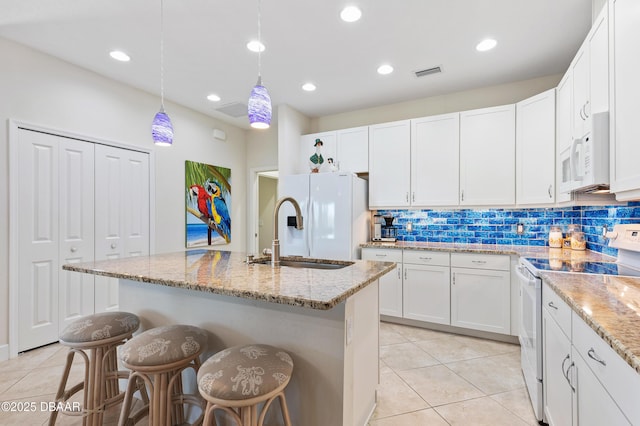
point(487, 156)
point(435, 158)
point(625, 90)
point(535, 149)
point(580, 72)
point(389, 164)
point(563, 136)
point(352, 150)
point(308, 149)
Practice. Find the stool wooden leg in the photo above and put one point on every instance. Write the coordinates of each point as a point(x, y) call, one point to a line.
point(283, 408)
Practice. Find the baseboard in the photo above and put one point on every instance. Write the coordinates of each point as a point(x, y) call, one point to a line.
point(4, 352)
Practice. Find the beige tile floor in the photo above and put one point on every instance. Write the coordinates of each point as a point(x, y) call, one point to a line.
point(427, 378)
point(433, 378)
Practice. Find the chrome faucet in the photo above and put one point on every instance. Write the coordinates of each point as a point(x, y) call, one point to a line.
point(275, 245)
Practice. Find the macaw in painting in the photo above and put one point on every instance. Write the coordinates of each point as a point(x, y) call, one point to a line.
point(219, 210)
point(203, 200)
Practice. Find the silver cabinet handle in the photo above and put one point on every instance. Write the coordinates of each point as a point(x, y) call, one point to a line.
point(592, 354)
point(566, 373)
point(549, 191)
point(413, 196)
point(462, 195)
point(113, 245)
point(453, 279)
point(398, 268)
point(551, 305)
point(425, 258)
point(586, 114)
point(380, 255)
point(405, 273)
point(74, 249)
point(407, 197)
point(479, 262)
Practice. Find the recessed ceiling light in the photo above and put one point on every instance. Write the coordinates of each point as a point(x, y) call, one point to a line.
point(119, 55)
point(486, 44)
point(309, 87)
point(213, 97)
point(385, 69)
point(350, 14)
point(255, 46)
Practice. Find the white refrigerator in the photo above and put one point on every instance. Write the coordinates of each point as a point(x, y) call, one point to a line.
point(335, 216)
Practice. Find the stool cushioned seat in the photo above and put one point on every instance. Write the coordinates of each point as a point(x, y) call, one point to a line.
point(244, 372)
point(163, 345)
point(99, 327)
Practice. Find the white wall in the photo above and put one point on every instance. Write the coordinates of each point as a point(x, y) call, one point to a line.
point(291, 124)
point(452, 102)
point(42, 90)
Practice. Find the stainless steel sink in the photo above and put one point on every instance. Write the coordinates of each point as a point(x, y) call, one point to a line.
point(304, 263)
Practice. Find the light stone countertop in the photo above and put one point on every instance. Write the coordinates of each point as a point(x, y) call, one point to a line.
point(522, 251)
point(610, 305)
point(228, 273)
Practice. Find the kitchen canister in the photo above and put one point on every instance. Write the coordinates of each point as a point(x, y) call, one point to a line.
point(578, 241)
point(555, 237)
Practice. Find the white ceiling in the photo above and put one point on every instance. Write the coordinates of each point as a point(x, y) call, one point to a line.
point(205, 46)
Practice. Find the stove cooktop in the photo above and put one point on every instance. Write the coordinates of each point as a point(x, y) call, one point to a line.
point(604, 268)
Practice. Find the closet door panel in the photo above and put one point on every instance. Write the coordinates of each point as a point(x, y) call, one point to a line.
point(76, 291)
point(38, 245)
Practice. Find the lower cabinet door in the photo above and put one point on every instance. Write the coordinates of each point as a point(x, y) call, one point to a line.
point(556, 360)
point(391, 293)
point(481, 299)
point(593, 405)
point(426, 293)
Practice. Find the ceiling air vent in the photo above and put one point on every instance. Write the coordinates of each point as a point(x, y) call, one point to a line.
point(428, 71)
point(235, 109)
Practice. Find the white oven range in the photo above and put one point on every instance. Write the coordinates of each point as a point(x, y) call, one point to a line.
point(626, 238)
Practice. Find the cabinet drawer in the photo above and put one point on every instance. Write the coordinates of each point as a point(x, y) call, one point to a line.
point(422, 257)
point(619, 379)
point(557, 308)
point(481, 261)
point(385, 255)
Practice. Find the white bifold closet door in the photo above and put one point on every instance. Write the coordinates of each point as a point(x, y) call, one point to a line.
point(122, 214)
point(77, 201)
point(56, 227)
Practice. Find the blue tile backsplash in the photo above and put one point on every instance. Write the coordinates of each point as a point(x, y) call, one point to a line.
point(498, 226)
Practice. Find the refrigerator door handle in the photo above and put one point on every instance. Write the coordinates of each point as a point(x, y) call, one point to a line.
point(308, 228)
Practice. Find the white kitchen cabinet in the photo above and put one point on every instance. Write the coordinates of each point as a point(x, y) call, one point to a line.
point(625, 92)
point(593, 406)
point(556, 361)
point(390, 284)
point(426, 286)
point(563, 138)
point(352, 150)
point(487, 156)
point(481, 292)
point(390, 164)
point(580, 91)
point(435, 159)
point(535, 149)
point(307, 149)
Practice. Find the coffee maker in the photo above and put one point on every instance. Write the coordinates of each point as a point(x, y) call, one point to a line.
point(389, 231)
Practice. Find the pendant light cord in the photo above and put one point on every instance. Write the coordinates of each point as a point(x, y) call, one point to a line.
point(162, 55)
point(260, 47)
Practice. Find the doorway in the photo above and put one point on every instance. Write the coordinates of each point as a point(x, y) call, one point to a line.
point(265, 182)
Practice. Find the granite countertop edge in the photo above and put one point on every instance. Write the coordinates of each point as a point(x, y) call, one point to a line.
point(298, 301)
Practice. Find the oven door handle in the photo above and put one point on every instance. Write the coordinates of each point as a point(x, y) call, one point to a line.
point(531, 282)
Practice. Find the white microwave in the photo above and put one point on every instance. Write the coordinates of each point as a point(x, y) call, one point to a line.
point(584, 167)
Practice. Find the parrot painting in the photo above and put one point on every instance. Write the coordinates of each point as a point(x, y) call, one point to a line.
point(203, 200)
point(219, 211)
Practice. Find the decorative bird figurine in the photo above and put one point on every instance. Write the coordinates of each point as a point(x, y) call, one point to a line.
point(219, 210)
point(203, 200)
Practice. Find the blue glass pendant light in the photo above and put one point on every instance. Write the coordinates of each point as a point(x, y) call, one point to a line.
point(259, 105)
point(161, 128)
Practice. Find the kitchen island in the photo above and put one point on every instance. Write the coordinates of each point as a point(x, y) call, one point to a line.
point(327, 319)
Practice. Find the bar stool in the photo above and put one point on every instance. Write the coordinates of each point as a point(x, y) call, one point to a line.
point(236, 380)
point(158, 357)
point(95, 338)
